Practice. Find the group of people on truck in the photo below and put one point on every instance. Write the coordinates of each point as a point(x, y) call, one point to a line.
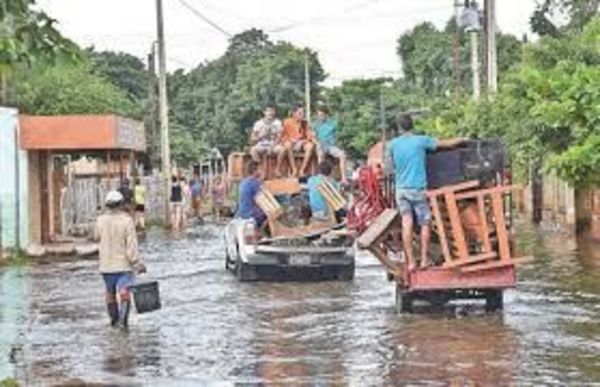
point(405, 154)
point(296, 136)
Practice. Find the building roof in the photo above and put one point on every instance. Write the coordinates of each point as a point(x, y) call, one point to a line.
point(81, 132)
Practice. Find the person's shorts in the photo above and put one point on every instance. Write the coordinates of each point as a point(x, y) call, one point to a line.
point(298, 145)
point(140, 208)
point(412, 201)
point(116, 282)
point(196, 203)
point(334, 151)
point(265, 148)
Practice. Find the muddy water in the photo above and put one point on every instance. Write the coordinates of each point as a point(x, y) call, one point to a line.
point(214, 330)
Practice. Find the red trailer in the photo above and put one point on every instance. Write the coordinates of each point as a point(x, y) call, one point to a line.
point(471, 239)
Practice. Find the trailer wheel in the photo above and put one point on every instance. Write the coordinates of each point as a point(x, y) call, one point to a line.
point(494, 300)
point(404, 301)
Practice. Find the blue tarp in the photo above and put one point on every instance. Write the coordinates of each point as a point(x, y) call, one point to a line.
point(14, 217)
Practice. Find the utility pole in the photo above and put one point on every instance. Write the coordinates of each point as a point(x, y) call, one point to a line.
point(163, 110)
point(154, 134)
point(456, 50)
point(491, 50)
point(475, 64)
point(307, 85)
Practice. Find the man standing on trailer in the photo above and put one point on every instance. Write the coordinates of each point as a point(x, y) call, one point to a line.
point(408, 153)
point(119, 257)
point(264, 138)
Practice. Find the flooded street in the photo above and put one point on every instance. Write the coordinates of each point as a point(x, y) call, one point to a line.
point(215, 330)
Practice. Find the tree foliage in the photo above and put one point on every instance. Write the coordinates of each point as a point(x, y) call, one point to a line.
point(28, 37)
point(70, 89)
point(124, 70)
point(576, 12)
point(548, 107)
point(428, 59)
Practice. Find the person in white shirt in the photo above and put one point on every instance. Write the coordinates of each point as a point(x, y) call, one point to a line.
point(265, 139)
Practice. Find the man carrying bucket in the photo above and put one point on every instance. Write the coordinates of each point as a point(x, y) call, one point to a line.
point(119, 257)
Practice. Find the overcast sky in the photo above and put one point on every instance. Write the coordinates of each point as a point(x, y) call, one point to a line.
point(354, 38)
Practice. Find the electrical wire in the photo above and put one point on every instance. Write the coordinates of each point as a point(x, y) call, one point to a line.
point(206, 19)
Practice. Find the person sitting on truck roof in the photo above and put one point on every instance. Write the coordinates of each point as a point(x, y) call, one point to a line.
point(249, 188)
point(318, 204)
point(297, 136)
point(326, 133)
point(265, 136)
point(408, 155)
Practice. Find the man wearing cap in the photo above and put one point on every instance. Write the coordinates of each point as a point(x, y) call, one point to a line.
point(119, 257)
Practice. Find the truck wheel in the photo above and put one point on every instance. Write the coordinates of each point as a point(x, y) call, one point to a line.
point(243, 271)
point(404, 301)
point(493, 300)
point(227, 259)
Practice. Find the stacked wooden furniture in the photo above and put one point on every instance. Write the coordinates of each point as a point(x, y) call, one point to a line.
point(467, 220)
point(267, 202)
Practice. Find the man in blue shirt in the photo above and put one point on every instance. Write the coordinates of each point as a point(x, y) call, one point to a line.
point(318, 205)
point(249, 187)
point(408, 155)
point(326, 133)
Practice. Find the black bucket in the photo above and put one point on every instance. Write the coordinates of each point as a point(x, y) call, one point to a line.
point(146, 296)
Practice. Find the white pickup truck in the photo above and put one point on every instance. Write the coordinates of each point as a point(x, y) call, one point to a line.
point(326, 255)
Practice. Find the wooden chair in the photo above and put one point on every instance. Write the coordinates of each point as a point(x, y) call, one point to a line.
point(333, 197)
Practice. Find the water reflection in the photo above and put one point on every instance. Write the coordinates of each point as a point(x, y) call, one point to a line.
point(213, 328)
point(297, 337)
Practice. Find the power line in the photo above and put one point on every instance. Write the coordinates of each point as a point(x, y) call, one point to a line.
point(206, 19)
point(349, 13)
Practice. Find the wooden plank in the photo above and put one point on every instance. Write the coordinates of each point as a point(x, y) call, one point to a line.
point(496, 264)
point(504, 189)
point(472, 259)
point(453, 188)
point(288, 186)
point(440, 228)
point(484, 230)
point(501, 231)
point(396, 269)
point(379, 226)
point(457, 230)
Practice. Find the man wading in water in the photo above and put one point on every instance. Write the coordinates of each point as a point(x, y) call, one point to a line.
point(119, 257)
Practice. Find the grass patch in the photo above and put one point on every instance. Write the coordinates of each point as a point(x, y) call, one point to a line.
point(9, 382)
point(14, 258)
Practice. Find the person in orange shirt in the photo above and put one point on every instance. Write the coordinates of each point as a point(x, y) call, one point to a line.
point(297, 136)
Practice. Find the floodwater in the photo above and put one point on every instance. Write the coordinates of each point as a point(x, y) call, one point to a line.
point(213, 330)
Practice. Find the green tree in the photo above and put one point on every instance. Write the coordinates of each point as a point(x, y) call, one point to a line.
point(124, 70)
point(27, 37)
point(577, 12)
point(428, 59)
point(70, 89)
